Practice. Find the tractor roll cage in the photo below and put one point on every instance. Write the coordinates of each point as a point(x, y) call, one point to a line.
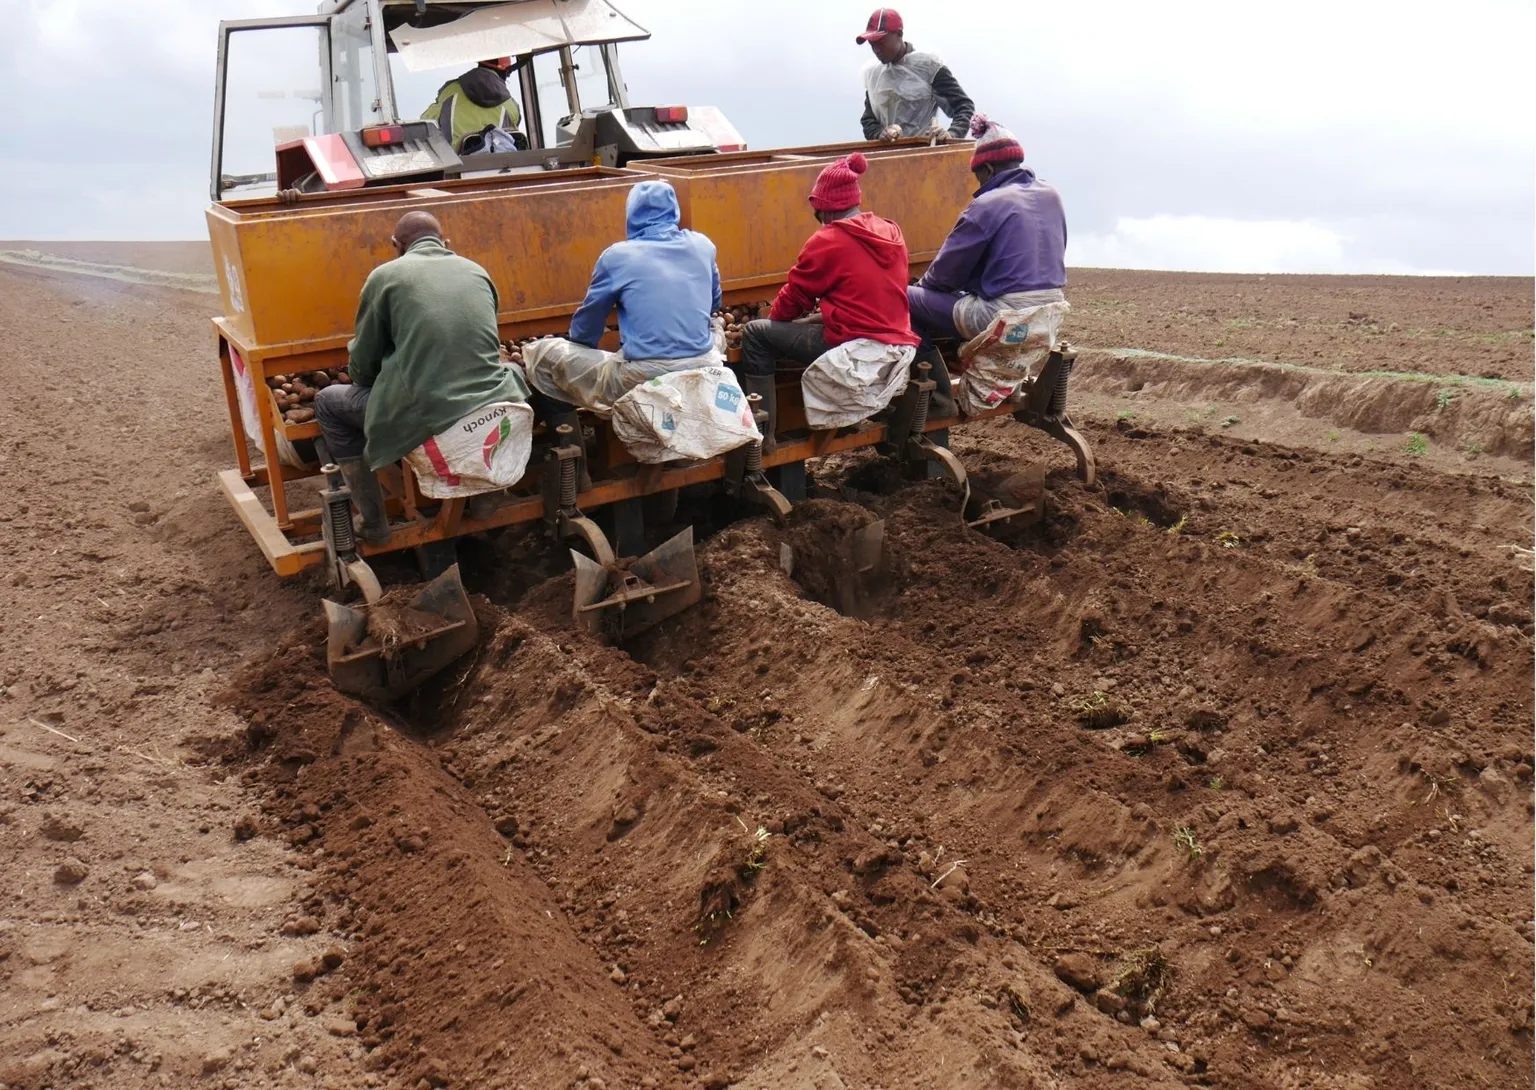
point(539, 26)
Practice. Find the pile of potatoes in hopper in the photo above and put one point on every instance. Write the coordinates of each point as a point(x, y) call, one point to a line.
point(734, 319)
point(512, 351)
point(295, 394)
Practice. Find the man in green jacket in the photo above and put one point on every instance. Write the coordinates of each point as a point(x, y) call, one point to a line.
point(425, 354)
point(478, 98)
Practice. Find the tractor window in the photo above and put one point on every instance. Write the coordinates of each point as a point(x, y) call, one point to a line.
point(591, 86)
point(591, 76)
point(273, 84)
point(415, 91)
point(355, 84)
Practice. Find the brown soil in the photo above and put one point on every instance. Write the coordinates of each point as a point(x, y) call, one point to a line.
point(1218, 775)
point(178, 257)
point(1475, 325)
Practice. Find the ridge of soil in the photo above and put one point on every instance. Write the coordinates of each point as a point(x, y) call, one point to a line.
point(808, 849)
point(1219, 775)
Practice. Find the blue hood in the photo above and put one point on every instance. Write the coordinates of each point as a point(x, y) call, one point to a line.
point(651, 211)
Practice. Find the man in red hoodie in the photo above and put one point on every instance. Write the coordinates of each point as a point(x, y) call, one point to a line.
point(855, 266)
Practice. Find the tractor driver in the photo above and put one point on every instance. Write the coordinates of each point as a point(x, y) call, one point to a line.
point(477, 100)
point(855, 265)
point(425, 353)
point(1008, 250)
point(904, 88)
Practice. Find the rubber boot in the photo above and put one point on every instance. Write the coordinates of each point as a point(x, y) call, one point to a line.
point(583, 478)
point(941, 406)
point(763, 386)
point(484, 505)
point(369, 498)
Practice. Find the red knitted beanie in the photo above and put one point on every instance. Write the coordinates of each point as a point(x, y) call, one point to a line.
point(994, 144)
point(837, 187)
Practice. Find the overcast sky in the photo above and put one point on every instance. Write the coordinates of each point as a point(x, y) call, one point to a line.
point(1295, 136)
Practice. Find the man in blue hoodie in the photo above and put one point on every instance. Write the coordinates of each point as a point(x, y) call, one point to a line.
point(1008, 250)
point(665, 284)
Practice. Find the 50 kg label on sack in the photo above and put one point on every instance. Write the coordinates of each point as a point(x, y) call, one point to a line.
point(728, 398)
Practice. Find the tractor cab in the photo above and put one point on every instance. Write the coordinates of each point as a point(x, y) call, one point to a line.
point(332, 101)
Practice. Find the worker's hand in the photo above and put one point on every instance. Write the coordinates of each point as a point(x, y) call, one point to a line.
point(890, 133)
point(936, 134)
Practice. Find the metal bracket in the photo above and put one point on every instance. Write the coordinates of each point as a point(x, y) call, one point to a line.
point(558, 483)
point(744, 477)
point(346, 568)
point(360, 575)
point(911, 414)
point(1045, 408)
point(922, 449)
point(1021, 496)
point(906, 437)
point(622, 602)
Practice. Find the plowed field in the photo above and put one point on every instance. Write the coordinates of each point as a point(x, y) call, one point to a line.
point(1219, 775)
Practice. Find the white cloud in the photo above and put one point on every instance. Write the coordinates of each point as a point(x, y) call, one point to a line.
point(1210, 244)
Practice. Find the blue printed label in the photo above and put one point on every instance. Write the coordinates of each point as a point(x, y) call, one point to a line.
point(1017, 334)
point(668, 423)
point(727, 398)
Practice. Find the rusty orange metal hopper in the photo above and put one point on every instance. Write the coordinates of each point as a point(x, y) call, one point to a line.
point(381, 670)
point(621, 602)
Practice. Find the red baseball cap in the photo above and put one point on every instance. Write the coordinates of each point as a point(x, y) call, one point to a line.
point(884, 21)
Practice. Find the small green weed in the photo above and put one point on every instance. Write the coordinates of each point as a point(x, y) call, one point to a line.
point(1228, 540)
point(1334, 436)
point(1513, 395)
point(1184, 840)
point(1416, 444)
point(1216, 783)
point(1474, 448)
point(757, 855)
point(1230, 421)
point(1444, 397)
point(1125, 414)
point(1178, 527)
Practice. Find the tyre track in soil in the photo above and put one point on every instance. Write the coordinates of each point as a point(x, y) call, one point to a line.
point(1325, 674)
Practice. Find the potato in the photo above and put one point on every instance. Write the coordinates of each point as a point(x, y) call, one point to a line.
point(344, 378)
point(301, 416)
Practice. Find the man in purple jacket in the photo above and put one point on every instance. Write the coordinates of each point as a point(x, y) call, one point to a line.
point(1007, 252)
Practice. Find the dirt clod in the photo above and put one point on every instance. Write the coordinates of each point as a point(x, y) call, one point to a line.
point(60, 829)
point(71, 872)
point(1081, 971)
